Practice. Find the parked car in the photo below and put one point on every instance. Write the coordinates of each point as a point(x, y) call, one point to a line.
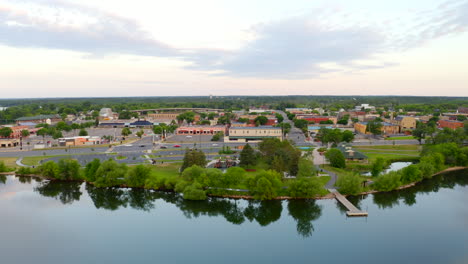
point(163, 147)
point(176, 146)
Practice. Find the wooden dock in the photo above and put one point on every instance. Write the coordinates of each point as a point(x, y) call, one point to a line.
point(352, 210)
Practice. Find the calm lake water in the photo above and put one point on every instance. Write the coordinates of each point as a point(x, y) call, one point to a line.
point(394, 166)
point(51, 222)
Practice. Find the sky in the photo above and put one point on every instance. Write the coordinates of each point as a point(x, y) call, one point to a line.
point(89, 48)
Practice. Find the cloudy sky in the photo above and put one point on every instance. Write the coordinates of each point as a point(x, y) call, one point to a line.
point(89, 48)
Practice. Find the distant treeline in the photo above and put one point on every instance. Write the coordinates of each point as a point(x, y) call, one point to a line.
point(28, 107)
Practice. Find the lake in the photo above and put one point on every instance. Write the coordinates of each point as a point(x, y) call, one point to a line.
point(55, 222)
point(394, 166)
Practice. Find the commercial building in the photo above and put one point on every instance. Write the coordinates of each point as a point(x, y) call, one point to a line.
point(39, 119)
point(270, 122)
point(17, 131)
point(387, 128)
point(244, 134)
point(298, 110)
point(79, 141)
point(313, 130)
point(9, 142)
point(404, 122)
point(317, 119)
point(200, 130)
point(452, 124)
point(163, 116)
point(127, 123)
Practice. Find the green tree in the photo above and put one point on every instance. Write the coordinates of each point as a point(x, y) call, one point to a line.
point(348, 136)
point(194, 192)
point(5, 132)
point(261, 120)
point(140, 133)
point(110, 173)
point(301, 123)
point(374, 127)
point(3, 168)
point(25, 133)
point(336, 158)
point(377, 167)
point(279, 118)
point(62, 126)
point(233, 177)
point(83, 132)
point(265, 185)
point(306, 168)
point(50, 169)
point(410, 174)
point(305, 187)
point(349, 184)
point(217, 136)
point(247, 157)
point(137, 175)
point(193, 157)
point(286, 127)
point(69, 169)
point(75, 127)
point(387, 182)
point(90, 170)
point(420, 131)
point(126, 132)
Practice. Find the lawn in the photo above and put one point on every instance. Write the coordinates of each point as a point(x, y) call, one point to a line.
point(166, 170)
point(9, 162)
point(34, 161)
point(389, 147)
point(400, 138)
point(390, 152)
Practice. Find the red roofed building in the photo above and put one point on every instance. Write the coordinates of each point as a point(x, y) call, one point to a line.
point(450, 124)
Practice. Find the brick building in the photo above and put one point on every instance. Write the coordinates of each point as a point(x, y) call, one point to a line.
point(450, 124)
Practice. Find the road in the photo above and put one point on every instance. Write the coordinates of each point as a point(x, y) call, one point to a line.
point(295, 134)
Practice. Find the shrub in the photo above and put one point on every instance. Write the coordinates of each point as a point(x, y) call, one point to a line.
point(388, 182)
point(136, 176)
point(194, 192)
point(69, 169)
point(265, 185)
point(154, 182)
point(3, 168)
point(181, 185)
point(50, 169)
point(349, 184)
point(24, 171)
point(411, 173)
point(110, 173)
point(90, 170)
point(336, 158)
point(305, 187)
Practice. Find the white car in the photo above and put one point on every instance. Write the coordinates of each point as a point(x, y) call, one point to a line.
point(215, 145)
point(189, 136)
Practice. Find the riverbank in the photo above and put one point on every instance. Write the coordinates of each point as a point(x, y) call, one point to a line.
point(247, 197)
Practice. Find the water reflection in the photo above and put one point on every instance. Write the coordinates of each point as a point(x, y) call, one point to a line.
point(65, 192)
point(264, 212)
point(304, 212)
point(3, 179)
point(408, 196)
